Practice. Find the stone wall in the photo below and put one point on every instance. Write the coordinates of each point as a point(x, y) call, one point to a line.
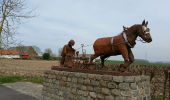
point(62, 85)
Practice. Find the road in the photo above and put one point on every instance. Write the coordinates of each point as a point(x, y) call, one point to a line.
point(9, 94)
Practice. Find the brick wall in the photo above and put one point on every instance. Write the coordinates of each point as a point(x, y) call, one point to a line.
point(62, 85)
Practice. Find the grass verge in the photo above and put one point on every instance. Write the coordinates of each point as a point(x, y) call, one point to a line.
point(12, 79)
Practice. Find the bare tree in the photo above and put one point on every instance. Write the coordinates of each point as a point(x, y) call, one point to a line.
point(11, 14)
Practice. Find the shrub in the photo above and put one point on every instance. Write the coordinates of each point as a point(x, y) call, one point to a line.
point(46, 56)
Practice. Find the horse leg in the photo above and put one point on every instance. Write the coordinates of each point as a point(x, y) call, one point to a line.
point(94, 56)
point(128, 59)
point(131, 56)
point(125, 53)
point(103, 57)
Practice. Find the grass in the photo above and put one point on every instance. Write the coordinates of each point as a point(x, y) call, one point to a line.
point(136, 62)
point(159, 98)
point(12, 79)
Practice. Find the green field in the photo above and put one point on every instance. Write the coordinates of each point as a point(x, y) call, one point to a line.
point(136, 62)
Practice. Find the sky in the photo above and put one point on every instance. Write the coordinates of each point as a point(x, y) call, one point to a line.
point(58, 21)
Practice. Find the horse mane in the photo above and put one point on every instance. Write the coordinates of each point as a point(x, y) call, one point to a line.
point(131, 28)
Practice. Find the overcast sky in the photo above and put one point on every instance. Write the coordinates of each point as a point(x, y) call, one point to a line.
point(58, 21)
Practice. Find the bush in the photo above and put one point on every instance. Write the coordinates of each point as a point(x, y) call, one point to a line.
point(46, 56)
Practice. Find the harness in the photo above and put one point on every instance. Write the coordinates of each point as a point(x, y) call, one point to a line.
point(126, 40)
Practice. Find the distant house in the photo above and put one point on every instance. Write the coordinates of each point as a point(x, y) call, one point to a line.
point(20, 52)
point(9, 54)
point(26, 51)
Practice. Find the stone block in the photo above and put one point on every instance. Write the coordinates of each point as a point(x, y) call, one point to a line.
point(137, 78)
point(86, 81)
point(103, 83)
point(90, 88)
point(91, 76)
point(97, 89)
point(118, 79)
point(115, 92)
point(124, 86)
point(100, 97)
point(94, 83)
point(105, 91)
point(93, 94)
point(112, 85)
point(107, 77)
point(121, 98)
point(129, 79)
point(110, 97)
point(133, 86)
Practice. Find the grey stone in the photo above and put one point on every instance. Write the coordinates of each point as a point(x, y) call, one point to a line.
point(94, 83)
point(100, 96)
point(89, 98)
point(74, 80)
point(105, 91)
point(112, 85)
point(77, 75)
point(118, 78)
point(64, 78)
point(74, 90)
point(145, 78)
point(141, 85)
point(110, 97)
point(68, 79)
point(126, 93)
point(80, 80)
point(129, 79)
point(99, 77)
point(147, 98)
point(115, 92)
point(135, 93)
point(107, 77)
point(71, 74)
point(121, 98)
point(133, 86)
point(87, 81)
point(137, 78)
point(83, 93)
point(82, 98)
point(92, 76)
point(83, 87)
point(93, 94)
point(124, 86)
point(97, 89)
point(90, 88)
point(83, 75)
point(103, 83)
point(147, 91)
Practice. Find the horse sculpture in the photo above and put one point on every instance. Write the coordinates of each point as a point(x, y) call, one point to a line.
point(121, 44)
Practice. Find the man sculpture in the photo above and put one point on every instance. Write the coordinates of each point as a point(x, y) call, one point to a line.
point(67, 54)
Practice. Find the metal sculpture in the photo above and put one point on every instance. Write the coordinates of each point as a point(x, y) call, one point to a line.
point(121, 44)
point(106, 47)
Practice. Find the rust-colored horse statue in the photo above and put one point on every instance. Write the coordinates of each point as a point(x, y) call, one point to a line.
point(121, 44)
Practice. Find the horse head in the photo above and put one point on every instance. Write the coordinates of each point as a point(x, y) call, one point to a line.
point(144, 32)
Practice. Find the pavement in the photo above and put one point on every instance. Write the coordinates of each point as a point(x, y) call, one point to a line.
point(10, 94)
